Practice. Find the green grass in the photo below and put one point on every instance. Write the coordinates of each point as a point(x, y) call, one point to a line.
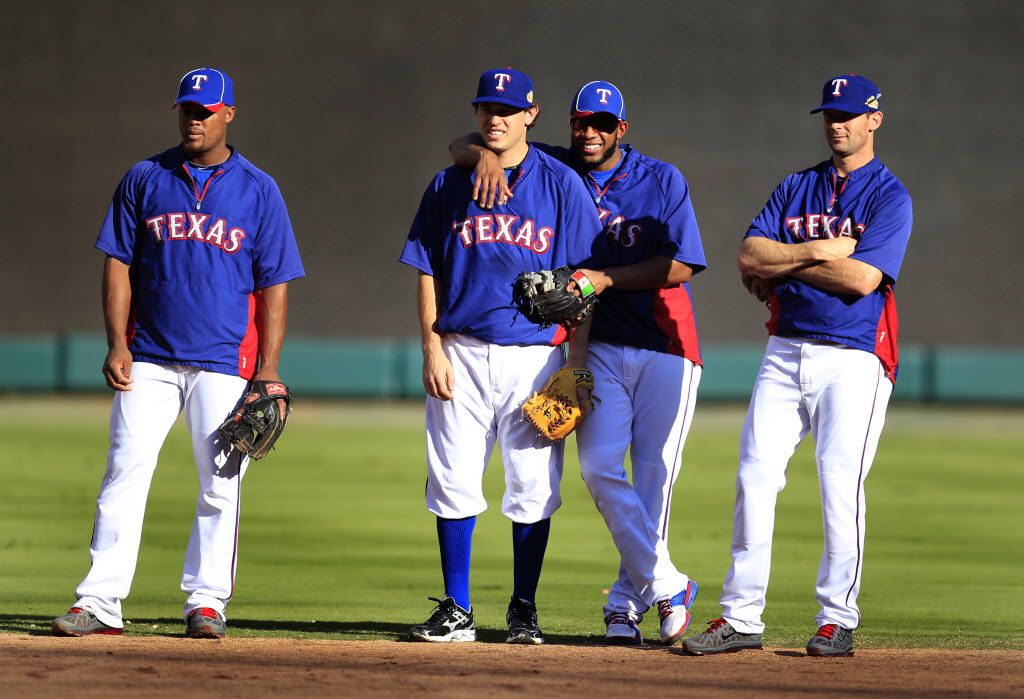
point(336, 542)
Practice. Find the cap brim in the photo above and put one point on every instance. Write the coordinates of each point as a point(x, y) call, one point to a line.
point(582, 113)
point(216, 107)
point(843, 107)
point(502, 100)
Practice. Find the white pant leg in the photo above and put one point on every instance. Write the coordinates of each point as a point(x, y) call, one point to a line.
point(664, 401)
point(776, 422)
point(847, 411)
point(139, 422)
point(533, 465)
point(602, 441)
point(647, 400)
point(460, 433)
point(208, 575)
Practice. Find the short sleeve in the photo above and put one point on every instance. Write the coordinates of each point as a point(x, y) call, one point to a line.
point(884, 242)
point(121, 224)
point(275, 253)
point(423, 245)
point(766, 223)
point(680, 235)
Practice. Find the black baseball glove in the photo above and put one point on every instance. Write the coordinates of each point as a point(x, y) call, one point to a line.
point(543, 297)
point(257, 423)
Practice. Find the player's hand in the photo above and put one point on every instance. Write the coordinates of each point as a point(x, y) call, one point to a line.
point(583, 396)
point(117, 368)
point(759, 288)
point(599, 279)
point(268, 374)
point(438, 375)
point(489, 183)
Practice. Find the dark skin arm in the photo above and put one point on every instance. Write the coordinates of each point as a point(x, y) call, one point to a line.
point(579, 339)
point(655, 272)
point(489, 183)
point(271, 319)
point(117, 302)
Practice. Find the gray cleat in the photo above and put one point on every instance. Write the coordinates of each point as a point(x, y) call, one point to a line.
point(82, 622)
point(205, 623)
point(832, 641)
point(721, 637)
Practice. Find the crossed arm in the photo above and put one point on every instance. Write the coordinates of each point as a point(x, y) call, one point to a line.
point(825, 264)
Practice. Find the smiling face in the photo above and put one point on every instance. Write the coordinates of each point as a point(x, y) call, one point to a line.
point(595, 138)
point(204, 133)
point(503, 128)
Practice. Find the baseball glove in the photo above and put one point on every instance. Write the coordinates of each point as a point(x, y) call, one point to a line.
point(555, 410)
point(257, 423)
point(544, 299)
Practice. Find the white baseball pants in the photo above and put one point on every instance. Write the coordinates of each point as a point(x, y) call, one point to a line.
point(491, 383)
point(838, 394)
point(646, 405)
point(139, 423)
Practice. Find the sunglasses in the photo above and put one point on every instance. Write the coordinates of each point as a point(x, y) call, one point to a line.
point(605, 123)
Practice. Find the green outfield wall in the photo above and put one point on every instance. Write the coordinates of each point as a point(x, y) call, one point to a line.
point(349, 368)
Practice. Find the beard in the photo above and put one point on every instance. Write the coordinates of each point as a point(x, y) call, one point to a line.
point(594, 162)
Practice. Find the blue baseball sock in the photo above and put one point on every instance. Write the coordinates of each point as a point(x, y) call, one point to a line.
point(455, 538)
point(529, 542)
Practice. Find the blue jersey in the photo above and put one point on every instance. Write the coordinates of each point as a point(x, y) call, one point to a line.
point(645, 209)
point(873, 207)
point(196, 255)
point(476, 253)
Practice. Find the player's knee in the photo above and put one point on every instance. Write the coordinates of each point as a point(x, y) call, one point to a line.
point(598, 468)
point(754, 476)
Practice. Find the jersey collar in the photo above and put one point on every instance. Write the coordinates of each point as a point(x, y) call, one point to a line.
point(869, 168)
point(176, 158)
point(525, 167)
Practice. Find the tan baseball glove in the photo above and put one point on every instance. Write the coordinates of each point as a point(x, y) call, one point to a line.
point(555, 410)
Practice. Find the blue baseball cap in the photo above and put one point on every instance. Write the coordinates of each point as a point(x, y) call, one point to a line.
point(208, 87)
point(598, 96)
point(849, 93)
point(505, 86)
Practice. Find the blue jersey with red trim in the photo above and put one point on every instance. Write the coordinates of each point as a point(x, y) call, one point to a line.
point(476, 253)
point(646, 210)
point(196, 256)
point(873, 207)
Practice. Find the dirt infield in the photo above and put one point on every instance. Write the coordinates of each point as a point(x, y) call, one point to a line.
point(153, 667)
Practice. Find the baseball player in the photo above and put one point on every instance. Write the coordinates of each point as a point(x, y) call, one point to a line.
point(199, 252)
point(643, 351)
point(481, 359)
point(825, 252)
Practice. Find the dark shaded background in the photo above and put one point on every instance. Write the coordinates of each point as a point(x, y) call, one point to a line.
point(350, 105)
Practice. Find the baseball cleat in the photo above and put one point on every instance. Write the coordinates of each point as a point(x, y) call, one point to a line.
point(622, 629)
point(721, 637)
point(831, 641)
point(522, 623)
point(448, 623)
point(81, 622)
point(675, 614)
point(205, 623)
